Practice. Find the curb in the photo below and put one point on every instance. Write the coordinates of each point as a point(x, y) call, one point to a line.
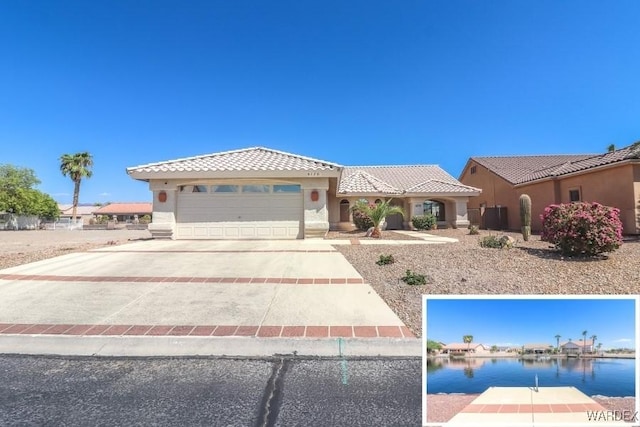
point(146, 346)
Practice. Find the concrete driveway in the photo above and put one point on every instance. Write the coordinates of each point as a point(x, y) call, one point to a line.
point(291, 290)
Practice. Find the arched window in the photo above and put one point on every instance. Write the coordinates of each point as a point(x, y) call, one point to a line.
point(344, 210)
point(434, 208)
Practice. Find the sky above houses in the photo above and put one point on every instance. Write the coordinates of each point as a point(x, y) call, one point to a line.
point(356, 83)
point(519, 321)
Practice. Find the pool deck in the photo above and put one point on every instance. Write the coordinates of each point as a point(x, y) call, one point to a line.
point(527, 407)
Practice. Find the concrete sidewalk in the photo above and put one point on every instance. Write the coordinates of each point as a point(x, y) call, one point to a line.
point(283, 291)
point(527, 406)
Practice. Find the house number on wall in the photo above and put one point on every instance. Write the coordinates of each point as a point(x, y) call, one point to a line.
point(313, 173)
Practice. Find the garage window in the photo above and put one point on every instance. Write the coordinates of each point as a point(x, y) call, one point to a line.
point(193, 188)
point(256, 188)
point(224, 189)
point(291, 188)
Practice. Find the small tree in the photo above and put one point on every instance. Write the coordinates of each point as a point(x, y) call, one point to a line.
point(582, 228)
point(433, 346)
point(467, 339)
point(377, 212)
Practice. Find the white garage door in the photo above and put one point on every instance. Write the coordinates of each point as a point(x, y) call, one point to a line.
point(239, 212)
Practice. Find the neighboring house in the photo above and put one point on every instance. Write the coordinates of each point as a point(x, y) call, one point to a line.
point(537, 348)
point(576, 347)
point(464, 348)
point(126, 212)
point(84, 212)
point(612, 179)
point(262, 193)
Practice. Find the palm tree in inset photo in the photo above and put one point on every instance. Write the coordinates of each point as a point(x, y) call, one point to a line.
point(558, 343)
point(584, 341)
point(467, 339)
point(76, 166)
point(594, 337)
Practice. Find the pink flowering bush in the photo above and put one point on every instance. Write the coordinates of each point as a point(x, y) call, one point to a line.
point(582, 228)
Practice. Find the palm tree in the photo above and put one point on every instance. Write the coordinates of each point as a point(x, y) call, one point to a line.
point(557, 342)
point(467, 339)
point(76, 166)
point(593, 341)
point(584, 341)
point(611, 148)
point(377, 212)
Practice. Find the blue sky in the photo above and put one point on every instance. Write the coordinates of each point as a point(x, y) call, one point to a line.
point(521, 321)
point(357, 82)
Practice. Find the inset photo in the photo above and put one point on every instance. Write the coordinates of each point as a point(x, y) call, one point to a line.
point(530, 360)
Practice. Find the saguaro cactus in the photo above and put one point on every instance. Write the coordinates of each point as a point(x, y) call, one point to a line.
point(525, 216)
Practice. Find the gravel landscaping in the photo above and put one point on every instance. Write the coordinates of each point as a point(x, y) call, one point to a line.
point(466, 268)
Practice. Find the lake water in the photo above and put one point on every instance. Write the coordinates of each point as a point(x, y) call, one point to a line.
point(606, 377)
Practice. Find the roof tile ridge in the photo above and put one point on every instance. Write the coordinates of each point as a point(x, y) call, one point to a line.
point(373, 180)
point(200, 156)
point(392, 166)
point(298, 156)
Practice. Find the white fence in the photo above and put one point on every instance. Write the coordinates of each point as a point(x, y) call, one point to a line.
point(62, 224)
point(19, 222)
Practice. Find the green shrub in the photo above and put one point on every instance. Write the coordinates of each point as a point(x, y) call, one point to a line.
point(582, 228)
point(385, 259)
point(424, 222)
point(145, 219)
point(414, 279)
point(495, 242)
point(361, 220)
point(473, 230)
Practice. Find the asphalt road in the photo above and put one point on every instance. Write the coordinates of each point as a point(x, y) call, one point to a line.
point(282, 391)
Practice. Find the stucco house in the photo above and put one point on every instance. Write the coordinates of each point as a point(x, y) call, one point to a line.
point(259, 193)
point(464, 348)
point(84, 212)
point(576, 347)
point(581, 346)
point(125, 212)
point(612, 179)
point(537, 348)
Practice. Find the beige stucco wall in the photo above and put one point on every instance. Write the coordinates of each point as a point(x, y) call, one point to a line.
point(495, 190)
point(617, 186)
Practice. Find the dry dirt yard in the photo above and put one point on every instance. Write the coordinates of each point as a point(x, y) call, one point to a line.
point(466, 268)
point(22, 247)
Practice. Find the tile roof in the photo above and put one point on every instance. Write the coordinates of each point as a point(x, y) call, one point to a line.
point(521, 169)
point(125, 208)
point(463, 346)
point(400, 180)
point(360, 181)
point(248, 159)
point(532, 346)
point(577, 342)
point(67, 209)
